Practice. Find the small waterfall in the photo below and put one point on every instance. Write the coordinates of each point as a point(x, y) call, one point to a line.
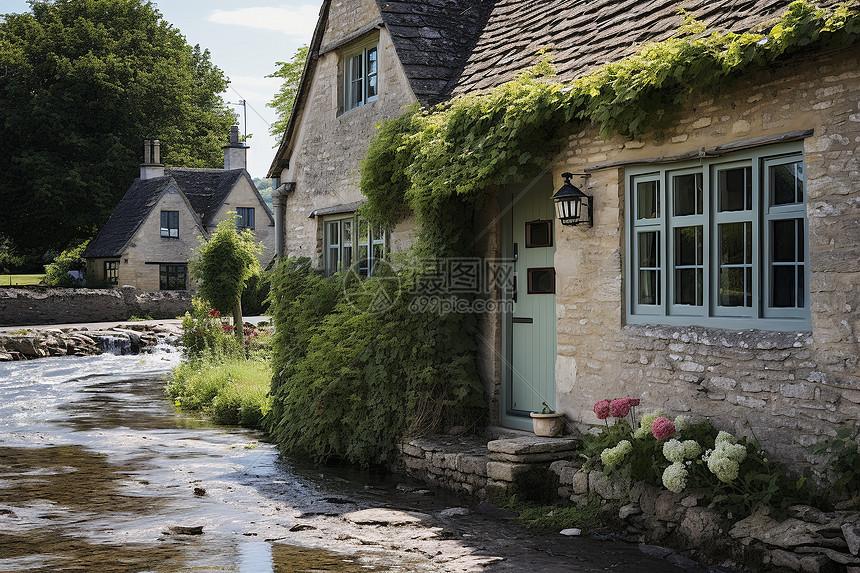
point(118, 345)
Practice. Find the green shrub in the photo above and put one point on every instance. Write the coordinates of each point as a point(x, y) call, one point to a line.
point(255, 295)
point(841, 461)
point(351, 379)
point(231, 391)
point(57, 272)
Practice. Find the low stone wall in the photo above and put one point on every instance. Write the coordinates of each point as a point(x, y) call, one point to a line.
point(808, 541)
point(22, 306)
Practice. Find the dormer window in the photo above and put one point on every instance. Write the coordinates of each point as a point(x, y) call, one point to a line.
point(361, 77)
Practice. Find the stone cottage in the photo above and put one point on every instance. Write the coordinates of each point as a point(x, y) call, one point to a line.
point(150, 236)
point(719, 277)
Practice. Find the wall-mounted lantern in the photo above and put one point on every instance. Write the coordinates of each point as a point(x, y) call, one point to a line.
point(572, 205)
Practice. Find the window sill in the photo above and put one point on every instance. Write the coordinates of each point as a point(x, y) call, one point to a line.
point(724, 323)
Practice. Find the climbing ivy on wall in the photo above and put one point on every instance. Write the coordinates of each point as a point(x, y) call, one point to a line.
point(437, 162)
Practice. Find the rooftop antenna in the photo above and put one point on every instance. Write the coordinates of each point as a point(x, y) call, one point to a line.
point(244, 105)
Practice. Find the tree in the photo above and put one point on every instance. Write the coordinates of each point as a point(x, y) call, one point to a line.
point(222, 266)
point(291, 73)
point(82, 83)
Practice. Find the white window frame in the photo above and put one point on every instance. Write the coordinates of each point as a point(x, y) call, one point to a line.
point(760, 217)
point(363, 247)
point(364, 87)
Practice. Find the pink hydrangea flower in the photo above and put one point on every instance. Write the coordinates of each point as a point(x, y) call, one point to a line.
point(663, 428)
point(620, 407)
point(602, 409)
point(633, 401)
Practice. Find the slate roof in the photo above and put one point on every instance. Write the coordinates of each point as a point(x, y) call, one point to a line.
point(585, 34)
point(433, 39)
point(205, 189)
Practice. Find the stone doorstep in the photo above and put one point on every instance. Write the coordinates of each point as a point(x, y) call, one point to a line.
point(537, 458)
point(532, 445)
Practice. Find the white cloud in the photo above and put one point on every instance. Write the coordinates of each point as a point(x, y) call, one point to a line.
point(297, 21)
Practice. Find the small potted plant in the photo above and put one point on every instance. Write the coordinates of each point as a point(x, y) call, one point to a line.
point(547, 422)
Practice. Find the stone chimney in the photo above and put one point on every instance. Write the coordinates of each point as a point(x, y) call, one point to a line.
point(235, 152)
point(151, 166)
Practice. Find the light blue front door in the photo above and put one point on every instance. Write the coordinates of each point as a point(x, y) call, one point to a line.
point(529, 339)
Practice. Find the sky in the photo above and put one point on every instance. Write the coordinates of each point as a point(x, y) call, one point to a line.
point(245, 42)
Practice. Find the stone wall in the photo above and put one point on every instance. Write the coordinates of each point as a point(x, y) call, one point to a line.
point(809, 540)
point(785, 388)
point(40, 305)
point(330, 143)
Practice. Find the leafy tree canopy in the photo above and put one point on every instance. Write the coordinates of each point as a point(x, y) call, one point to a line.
point(291, 73)
point(82, 83)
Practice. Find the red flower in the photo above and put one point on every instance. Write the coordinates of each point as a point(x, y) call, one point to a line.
point(633, 401)
point(663, 428)
point(620, 407)
point(601, 409)
point(214, 312)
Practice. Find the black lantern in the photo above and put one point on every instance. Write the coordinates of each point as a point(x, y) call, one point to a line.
point(573, 206)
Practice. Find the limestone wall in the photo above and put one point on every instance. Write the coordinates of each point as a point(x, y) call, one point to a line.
point(785, 388)
point(244, 194)
point(329, 143)
point(40, 305)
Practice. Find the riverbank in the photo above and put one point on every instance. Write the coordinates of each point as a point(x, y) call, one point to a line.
point(101, 473)
point(124, 338)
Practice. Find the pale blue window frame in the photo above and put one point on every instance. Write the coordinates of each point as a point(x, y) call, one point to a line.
point(755, 221)
point(351, 241)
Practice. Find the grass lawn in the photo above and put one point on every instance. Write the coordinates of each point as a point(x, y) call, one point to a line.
point(14, 280)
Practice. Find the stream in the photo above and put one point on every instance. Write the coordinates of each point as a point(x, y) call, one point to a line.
point(99, 472)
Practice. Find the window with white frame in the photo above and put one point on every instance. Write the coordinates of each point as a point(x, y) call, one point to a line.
point(720, 241)
point(352, 242)
point(361, 77)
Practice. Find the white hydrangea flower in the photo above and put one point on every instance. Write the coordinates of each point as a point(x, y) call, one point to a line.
point(724, 438)
point(641, 433)
point(673, 450)
point(724, 468)
point(675, 477)
point(682, 422)
point(692, 449)
point(612, 457)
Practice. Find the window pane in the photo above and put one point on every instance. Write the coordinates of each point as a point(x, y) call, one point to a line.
point(689, 286)
point(648, 200)
point(732, 244)
point(734, 189)
point(371, 73)
point(687, 191)
point(732, 286)
point(347, 244)
point(649, 272)
point(688, 246)
point(784, 286)
point(786, 183)
point(648, 287)
point(784, 241)
point(648, 250)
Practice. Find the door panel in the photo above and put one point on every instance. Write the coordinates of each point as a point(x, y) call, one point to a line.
point(531, 327)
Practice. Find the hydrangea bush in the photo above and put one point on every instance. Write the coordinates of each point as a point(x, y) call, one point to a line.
point(686, 455)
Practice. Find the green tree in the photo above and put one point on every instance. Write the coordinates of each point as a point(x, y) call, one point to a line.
point(82, 83)
point(291, 73)
point(57, 272)
point(222, 266)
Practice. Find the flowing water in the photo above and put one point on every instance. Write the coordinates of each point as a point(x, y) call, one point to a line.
point(98, 472)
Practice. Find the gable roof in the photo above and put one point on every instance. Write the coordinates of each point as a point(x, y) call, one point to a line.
point(584, 34)
point(205, 190)
point(432, 39)
point(128, 216)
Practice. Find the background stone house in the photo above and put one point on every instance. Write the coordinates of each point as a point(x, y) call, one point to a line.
point(150, 236)
point(719, 278)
